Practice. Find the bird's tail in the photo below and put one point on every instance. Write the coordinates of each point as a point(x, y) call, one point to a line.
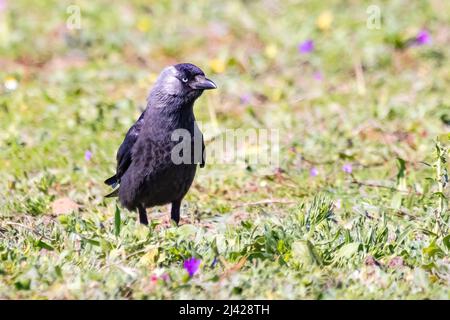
point(115, 193)
point(113, 181)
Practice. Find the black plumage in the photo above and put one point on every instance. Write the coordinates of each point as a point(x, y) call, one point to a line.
point(146, 173)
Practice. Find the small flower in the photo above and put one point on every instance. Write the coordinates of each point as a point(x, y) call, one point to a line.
point(318, 76)
point(245, 98)
point(11, 83)
point(271, 51)
point(217, 65)
point(313, 172)
point(191, 265)
point(306, 46)
point(144, 24)
point(3, 4)
point(324, 20)
point(422, 38)
point(338, 203)
point(165, 277)
point(88, 155)
point(154, 278)
point(347, 168)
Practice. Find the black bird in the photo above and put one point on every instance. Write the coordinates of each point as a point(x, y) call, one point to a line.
point(149, 172)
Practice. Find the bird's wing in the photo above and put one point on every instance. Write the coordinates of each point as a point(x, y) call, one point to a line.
point(124, 152)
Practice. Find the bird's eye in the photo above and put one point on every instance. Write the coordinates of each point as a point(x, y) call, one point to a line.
point(185, 80)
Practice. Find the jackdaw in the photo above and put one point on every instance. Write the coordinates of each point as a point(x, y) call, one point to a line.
point(149, 172)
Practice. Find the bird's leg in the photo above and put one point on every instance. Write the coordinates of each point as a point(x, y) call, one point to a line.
point(142, 215)
point(175, 211)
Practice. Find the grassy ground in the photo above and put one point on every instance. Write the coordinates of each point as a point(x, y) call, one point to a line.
point(363, 99)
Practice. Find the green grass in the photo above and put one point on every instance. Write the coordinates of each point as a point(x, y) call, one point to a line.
point(381, 232)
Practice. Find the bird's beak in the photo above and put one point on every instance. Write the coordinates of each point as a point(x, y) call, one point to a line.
point(203, 83)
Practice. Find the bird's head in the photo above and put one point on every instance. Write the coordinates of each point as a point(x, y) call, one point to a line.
point(184, 81)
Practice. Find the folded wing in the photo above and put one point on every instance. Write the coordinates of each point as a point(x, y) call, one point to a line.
point(124, 153)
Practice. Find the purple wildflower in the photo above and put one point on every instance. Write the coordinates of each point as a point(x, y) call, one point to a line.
point(165, 277)
point(347, 168)
point(423, 38)
point(318, 76)
point(306, 46)
point(313, 172)
point(3, 5)
point(191, 265)
point(338, 204)
point(245, 98)
point(88, 155)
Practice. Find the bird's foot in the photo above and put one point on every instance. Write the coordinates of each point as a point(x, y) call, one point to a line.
point(143, 216)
